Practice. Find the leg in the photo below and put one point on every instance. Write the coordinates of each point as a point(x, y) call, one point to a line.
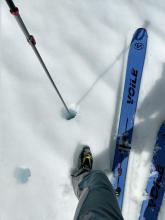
point(84, 166)
point(77, 178)
point(96, 196)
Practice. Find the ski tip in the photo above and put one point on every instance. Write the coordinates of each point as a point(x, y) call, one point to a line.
point(139, 34)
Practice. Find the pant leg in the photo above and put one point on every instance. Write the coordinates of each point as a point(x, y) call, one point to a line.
point(77, 178)
point(96, 196)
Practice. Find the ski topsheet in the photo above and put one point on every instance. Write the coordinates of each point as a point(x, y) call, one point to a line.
point(134, 70)
point(156, 183)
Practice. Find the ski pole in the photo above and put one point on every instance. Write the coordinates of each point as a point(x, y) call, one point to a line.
point(31, 40)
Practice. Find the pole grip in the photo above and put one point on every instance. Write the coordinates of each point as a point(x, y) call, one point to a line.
point(12, 6)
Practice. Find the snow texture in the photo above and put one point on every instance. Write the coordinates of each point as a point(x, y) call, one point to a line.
point(85, 46)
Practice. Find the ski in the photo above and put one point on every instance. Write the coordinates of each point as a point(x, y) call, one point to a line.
point(156, 183)
point(134, 71)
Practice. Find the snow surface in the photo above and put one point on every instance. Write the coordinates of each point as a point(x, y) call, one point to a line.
point(85, 46)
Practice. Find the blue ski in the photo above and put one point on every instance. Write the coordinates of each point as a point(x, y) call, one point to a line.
point(134, 71)
point(156, 183)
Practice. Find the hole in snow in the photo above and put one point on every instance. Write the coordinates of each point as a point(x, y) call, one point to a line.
point(22, 174)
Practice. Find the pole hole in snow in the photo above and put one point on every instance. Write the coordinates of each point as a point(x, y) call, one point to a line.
point(71, 114)
point(22, 174)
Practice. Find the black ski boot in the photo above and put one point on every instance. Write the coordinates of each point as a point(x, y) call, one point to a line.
point(85, 159)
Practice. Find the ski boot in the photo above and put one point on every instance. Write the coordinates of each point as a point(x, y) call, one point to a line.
point(85, 159)
point(85, 162)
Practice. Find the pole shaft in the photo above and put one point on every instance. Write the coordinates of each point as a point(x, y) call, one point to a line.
point(49, 76)
point(11, 5)
point(14, 10)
